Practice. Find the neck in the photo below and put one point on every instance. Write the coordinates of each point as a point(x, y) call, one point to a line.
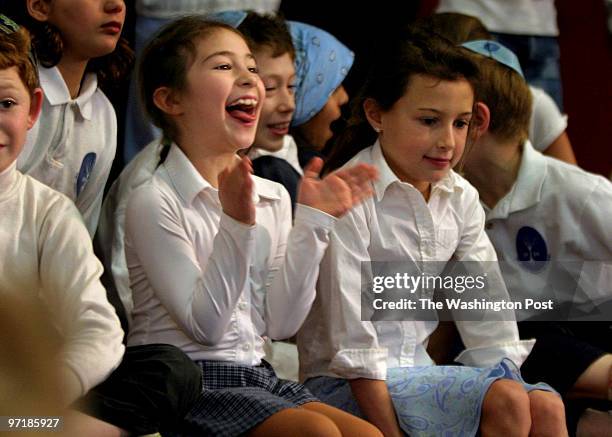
point(72, 71)
point(495, 173)
point(210, 164)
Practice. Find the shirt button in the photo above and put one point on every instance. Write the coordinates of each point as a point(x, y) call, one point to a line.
point(243, 306)
point(489, 225)
point(246, 347)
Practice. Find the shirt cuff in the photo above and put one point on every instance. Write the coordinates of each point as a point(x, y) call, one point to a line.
point(314, 217)
point(234, 226)
point(360, 363)
point(487, 356)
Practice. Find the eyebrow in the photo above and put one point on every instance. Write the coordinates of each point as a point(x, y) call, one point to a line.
point(437, 111)
point(226, 53)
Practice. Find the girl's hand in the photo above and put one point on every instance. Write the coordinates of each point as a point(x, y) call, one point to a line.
point(337, 192)
point(236, 192)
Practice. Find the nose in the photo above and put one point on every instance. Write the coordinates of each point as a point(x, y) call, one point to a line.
point(447, 139)
point(247, 78)
point(114, 6)
point(341, 96)
point(287, 101)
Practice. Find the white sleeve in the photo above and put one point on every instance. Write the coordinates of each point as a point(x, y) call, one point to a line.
point(295, 267)
point(200, 295)
point(89, 201)
point(487, 342)
point(547, 122)
point(70, 276)
point(355, 342)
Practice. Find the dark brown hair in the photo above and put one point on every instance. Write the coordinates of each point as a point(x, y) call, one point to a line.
point(267, 31)
point(49, 47)
point(15, 52)
point(408, 53)
point(457, 28)
point(166, 59)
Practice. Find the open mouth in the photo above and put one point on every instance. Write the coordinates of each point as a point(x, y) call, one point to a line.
point(243, 109)
point(279, 128)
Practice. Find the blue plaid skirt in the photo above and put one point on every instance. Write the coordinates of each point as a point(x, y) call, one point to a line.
point(235, 398)
point(429, 401)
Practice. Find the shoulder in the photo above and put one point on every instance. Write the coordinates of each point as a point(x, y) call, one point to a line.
point(576, 185)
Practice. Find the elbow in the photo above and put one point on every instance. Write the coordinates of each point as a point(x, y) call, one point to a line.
point(209, 335)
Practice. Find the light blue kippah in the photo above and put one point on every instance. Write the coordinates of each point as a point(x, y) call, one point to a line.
point(232, 18)
point(321, 64)
point(495, 50)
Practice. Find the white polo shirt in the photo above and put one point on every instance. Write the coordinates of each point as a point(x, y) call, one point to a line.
point(397, 224)
point(554, 212)
point(547, 123)
point(72, 145)
point(47, 254)
point(209, 284)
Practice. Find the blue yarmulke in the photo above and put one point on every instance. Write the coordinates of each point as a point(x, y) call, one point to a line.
point(233, 18)
point(497, 51)
point(321, 64)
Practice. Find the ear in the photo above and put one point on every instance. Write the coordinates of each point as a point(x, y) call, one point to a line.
point(38, 9)
point(373, 114)
point(480, 119)
point(35, 107)
point(166, 99)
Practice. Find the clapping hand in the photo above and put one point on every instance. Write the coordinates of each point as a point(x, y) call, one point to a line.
point(337, 192)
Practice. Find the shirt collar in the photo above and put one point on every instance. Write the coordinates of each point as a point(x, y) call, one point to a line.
point(386, 177)
point(527, 189)
point(188, 182)
point(56, 91)
point(289, 152)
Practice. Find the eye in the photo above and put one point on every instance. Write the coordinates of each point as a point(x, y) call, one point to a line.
point(270, 89)
point(254, 70)
point(428, 121)
point(7, 103)
point(462, 124)
point(223, 67)
point(292, 88)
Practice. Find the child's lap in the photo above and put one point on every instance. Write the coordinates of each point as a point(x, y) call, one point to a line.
point(429, 400)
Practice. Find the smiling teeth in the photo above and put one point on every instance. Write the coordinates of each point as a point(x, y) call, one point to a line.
point(244, 102)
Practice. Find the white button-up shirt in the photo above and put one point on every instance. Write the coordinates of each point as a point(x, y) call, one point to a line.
point(72, 145)
point(211, 285)
point(397, 224)
point(568, 211)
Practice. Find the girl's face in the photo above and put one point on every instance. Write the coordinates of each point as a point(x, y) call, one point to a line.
point(317, 131)
point(278, 76)
point(424, 133)
point(17, 114)
point(222, 100)
point(89, 28)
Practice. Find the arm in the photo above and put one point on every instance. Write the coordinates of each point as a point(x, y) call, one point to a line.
point(487, 342)
point(293, 276)
point(88, 323)
point(561, 148)
point(375, 403)
point(200, 294)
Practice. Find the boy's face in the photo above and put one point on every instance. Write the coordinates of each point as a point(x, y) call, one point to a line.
point(317, 131)
point(18, 112)
point(278, 76)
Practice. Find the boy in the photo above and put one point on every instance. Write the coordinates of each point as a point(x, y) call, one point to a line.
point(538, 210)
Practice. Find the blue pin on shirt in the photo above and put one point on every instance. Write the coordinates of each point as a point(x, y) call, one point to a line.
point(89, 161)
point(531, 249)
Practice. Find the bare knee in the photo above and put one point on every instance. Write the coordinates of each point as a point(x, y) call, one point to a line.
point(296, 422)
point(505, 410)
point(547, 414)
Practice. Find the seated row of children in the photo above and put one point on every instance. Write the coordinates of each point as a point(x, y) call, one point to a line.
point(213, 260)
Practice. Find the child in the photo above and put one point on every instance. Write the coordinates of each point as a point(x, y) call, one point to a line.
point(418, 101)
point(213, 264)
point(78, 46)
point(547, 125)
point(312, 95)
point(322, 62)
point(534, 208)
